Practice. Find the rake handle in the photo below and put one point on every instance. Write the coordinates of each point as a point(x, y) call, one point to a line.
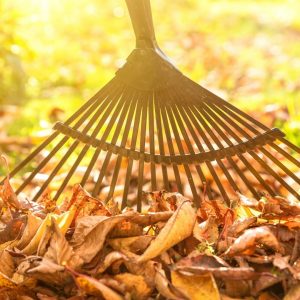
point(141, 19)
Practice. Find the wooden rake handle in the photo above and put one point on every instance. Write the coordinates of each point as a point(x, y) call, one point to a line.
point(141, 19)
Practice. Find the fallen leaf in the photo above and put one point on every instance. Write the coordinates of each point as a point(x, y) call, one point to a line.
point(178, 227)
point(90, 234)
point(196, 287)
point(133, 244)
point(135, 285)
point(254, 237)
point(92, 286)
point(165, 287)
point(33, 223)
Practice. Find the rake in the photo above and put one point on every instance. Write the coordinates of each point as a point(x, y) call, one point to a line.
point(153, 127)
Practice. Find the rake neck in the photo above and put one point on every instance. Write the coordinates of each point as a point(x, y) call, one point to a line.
point(141, 19)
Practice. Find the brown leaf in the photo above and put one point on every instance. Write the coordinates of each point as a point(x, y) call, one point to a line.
point(59, 250)
point(240, 225)
point(90, 234)
point(254, 237)
point(109, 260)
point(293, 293)
point(94, 287)
point(196, 287)
point(207, 230)
point(33, 223)
point(165, 287)
point(7, 264)
point(133, 244)
point(203, 264)
point(178, 227)
point(135, 285)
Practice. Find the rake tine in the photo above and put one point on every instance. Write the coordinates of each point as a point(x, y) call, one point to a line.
point(271, 157)
point(286, 154)
point(86, 147)
point(274, 174)
point(95, 156)
point(216, 140)
point(120, 110)
point(90, 167)
point(196, 195)
point(171, 148)
point(273, 145)
point(131, 105)
point(104, 166)
point(71, 172)
point(56, 169)
point(239, 140)
point(33, 154)
point(160, 140)
point(132, 147)
point(67, 155)
point(152, 143)
point(141, 162)
point(42, 164)
point(280, 165)
point(290, 145)
point(104, 136)
point(93, 102)
point(190, 116)
point(127, 182)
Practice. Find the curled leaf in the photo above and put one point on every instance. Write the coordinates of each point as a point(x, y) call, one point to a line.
point(178, 227)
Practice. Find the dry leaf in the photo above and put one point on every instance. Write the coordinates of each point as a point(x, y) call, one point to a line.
point(33, 223)
point(196, 287)
point(90, 234)
point(92, 286)
point(135, 285)
point(253, 237)
point(165, 287)
point(178, 227)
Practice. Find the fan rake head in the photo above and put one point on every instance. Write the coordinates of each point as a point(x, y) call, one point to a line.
point(152, 127)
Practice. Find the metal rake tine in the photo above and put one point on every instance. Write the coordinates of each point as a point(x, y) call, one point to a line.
point(42, 164)
point(186, 167)
point(209, 165)
point(120, 109)
point(103, 107)
point(142, 150)
point(152, 141)
point(130, 109)
point(190, 116)
point(132, 147)
point(55, 170)
point(271, 157)
point(171, 148)
point(239, 140)
point(274, 174)
point(160, 139)
point(101, 174)
point(218, 143)
point(273, 145)
point(94, 158)
point(180, 118)
point(92, 102)
point(290, 145)
point(70, 151)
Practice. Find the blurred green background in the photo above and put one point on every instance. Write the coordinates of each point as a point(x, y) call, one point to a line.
point(55, 54)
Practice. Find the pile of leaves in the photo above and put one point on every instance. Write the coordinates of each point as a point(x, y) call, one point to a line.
point(82, 248)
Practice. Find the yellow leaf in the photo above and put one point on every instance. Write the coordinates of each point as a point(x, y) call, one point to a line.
point(243, 212)
point(196, 287)
point(6, 282)
point(94, 287)
point(179, 227)
point(64, 220)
